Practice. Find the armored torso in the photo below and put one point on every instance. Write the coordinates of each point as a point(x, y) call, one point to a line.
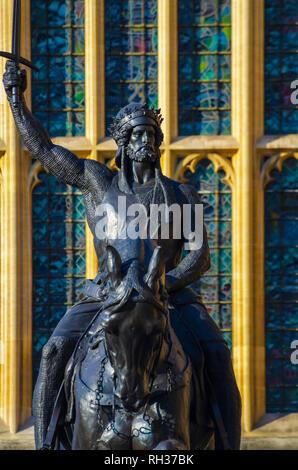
point(126, 231)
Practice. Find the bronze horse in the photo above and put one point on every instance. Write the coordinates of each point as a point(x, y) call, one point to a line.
point(130, 385)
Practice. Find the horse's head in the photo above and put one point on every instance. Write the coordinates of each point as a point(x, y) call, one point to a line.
point(135, 330)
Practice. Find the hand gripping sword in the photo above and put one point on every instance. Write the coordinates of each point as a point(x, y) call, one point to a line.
point(15, 54)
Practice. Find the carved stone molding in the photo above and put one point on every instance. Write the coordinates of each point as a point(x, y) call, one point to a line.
point(32, 178)
point(274, 162)
point(2, 148)
point(111, 164)
point(219, 161)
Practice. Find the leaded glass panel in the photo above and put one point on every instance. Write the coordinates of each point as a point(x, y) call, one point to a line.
point(130, 54)
point(58, 45)
point(215, 286)
point(281, 287)
point(204, 69)
point(281, 66)
point(58, 223)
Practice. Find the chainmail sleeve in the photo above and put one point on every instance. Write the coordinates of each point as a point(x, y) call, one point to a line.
point(58, 160)
point(196, 262)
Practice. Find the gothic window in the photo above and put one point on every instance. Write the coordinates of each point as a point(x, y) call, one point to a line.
point(281, 284)
point(215, 286)
point(130, 54)
point(58, 89)
point(281, 37)
point(58, 227)
point(204, 68)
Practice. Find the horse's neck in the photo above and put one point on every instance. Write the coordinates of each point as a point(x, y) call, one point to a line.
point(166, 349)
point(172, 354)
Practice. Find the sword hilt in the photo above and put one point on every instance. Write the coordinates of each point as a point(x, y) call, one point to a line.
point(21, 60)
point(15, 96)
point(15, 90)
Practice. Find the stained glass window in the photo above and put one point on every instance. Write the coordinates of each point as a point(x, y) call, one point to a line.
point(58, 89)
point(281, 66)
point(204, 71)
point(130, 54)
point(281, 283)
point(58, 217)
point(215, 286)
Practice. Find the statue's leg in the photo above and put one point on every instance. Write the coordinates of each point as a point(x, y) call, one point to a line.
point(218, 364)
point(55, 355)
point(221, 374)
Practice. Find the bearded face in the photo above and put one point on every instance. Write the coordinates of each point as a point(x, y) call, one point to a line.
point(141, 145)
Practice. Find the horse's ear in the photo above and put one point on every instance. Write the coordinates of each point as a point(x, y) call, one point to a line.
point(156, 269)
point(113, 263)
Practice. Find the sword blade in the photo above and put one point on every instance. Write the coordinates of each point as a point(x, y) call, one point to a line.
point(15, 47)
point(14, 55)
point(16, 25)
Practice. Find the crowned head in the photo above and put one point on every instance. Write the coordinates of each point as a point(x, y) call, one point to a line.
point(137, 128)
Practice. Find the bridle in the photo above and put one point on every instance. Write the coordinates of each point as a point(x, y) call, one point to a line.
point(163, 335)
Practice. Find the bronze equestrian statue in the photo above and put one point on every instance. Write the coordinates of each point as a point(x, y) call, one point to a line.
point(130, 384)
point(137, 132)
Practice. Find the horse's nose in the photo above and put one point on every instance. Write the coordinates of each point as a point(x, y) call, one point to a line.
point(133, 392)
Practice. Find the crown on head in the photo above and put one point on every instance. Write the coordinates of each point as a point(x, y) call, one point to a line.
point(131, 112)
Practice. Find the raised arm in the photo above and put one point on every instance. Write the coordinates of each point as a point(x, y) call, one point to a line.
point(60, 162)
point(196, 262)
